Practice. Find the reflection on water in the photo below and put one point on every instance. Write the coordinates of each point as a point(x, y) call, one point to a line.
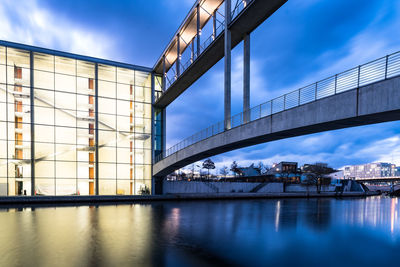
point(314, 232)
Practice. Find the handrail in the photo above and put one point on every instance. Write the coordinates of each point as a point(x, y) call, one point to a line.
point(377, 70)
point(239, 7)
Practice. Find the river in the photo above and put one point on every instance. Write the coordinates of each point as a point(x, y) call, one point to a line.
point(312, 232)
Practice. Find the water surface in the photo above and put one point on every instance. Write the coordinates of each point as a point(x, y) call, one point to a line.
point(314, 232)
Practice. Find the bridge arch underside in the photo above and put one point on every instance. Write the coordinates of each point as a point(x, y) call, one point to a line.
point(374, 103)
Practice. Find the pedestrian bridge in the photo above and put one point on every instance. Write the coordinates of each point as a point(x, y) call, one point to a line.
point(366, 94)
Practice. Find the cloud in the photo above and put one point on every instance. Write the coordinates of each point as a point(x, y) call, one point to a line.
point(368, 37)
point(29, 23)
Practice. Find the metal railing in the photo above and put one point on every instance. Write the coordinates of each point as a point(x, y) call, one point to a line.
point(374, 71)
point(238, 7)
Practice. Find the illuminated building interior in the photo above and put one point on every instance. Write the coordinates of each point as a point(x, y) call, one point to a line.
point(73, 125)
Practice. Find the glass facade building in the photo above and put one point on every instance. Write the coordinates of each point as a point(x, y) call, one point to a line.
point(74, 125)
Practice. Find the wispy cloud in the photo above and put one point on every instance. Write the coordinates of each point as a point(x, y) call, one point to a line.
point(28, 22)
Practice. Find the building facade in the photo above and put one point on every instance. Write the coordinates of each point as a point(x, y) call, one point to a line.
point(74, 125)
point(371, 170)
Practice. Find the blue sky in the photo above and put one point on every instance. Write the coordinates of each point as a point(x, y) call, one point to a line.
point(305, 41)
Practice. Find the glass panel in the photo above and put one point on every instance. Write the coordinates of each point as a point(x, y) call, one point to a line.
point(19, 76)
point(141, 78)
point(123, 187)
point(107, 154)
point(124, 91)
point(107, 89)
point(43, 62)
point(65, 169)
point(85, 69)
point(17, 57)
point(3, 183)
point(2, 55)
point(65, 83)
point(43, 79)
point(65, 65)
point(66, 187)
point(107, 187)
point(107, 73)
point(3, 77)
point(44, 186)
point(44, 169)
point(125, 76)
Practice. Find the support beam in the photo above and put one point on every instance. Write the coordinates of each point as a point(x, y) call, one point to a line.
point(214, 25)
point(246, 78)
point(152, 134)
point(198, 30)
point(32, 110)
point(192, 51)
point(178, 58)
point(227, 74)
point(96, 127)
point(164, 86)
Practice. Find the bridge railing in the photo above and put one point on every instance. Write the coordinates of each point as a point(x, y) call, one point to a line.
point(171, 76)
point(374, 71)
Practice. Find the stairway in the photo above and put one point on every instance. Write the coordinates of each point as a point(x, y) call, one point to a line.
point(213, 187)
point(258, 187)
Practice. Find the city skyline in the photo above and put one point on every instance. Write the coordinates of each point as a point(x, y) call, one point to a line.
point(326, 47)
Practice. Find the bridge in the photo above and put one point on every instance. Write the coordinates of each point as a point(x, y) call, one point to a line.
point(366, 94)
point(207, 34)
point(379, 179)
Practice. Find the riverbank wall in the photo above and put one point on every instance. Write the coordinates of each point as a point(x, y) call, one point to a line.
point(7, 202)
point(205, 187)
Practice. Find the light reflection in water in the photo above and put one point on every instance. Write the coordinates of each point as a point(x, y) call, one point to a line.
point(201, 233)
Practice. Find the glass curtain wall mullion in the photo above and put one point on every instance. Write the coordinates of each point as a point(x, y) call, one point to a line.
point(116, 133)
point(96, 99)
point(55, 133)
point(32, 111)
point(133, 153)
point(76, 135)
point(7, 153)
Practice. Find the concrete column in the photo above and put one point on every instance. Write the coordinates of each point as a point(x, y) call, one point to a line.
point(32, 110)
point(227, 74)
point(96, 127)
point(164, 85)
point(198, 30)
point(192, 51)
point(178, 56)
point(214, 25)
point(246, 78)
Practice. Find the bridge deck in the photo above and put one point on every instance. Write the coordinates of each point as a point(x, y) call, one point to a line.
point(373, 103)
point(245, 22)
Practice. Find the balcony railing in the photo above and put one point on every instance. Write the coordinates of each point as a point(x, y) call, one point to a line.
point(374, 71)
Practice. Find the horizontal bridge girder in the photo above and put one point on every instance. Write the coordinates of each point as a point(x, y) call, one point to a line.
point(373, 103)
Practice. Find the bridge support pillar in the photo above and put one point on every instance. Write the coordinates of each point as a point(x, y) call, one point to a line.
point(178, 53)
point(227, 74)
point(246, 78)
point(198, 31)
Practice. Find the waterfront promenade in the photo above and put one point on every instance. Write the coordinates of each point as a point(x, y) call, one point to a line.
point(89, 200)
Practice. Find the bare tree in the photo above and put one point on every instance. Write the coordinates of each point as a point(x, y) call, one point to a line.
point(224, 171)
point(316, 174)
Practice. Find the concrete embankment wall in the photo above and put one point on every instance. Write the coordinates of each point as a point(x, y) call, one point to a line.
point(182, 187)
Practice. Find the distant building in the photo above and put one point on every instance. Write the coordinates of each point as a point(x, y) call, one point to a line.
point(318, 168)
point(337, 175)
point(249, 171)
point(371, 170)
point(283, 167)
